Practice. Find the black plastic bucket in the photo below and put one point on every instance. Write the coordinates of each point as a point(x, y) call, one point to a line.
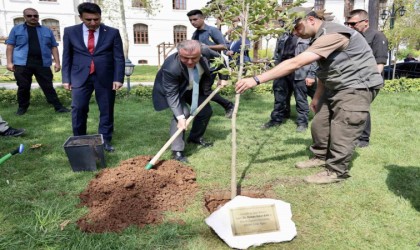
point(85, 152)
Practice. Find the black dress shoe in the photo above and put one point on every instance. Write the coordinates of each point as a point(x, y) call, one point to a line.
point(13, 132)
point(229, 111)
point(179, 156)
point(21, 111)
point(108, 147)
point(200, 141)
point(270, 124)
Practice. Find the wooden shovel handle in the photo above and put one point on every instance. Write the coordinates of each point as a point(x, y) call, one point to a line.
point(179, 131)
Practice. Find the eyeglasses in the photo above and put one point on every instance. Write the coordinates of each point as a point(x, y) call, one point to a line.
point(30, 16)
point(352, 24)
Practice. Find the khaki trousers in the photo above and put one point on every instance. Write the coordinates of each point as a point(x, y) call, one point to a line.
point(338, 124)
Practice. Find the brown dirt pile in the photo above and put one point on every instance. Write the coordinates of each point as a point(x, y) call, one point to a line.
point(131, 195)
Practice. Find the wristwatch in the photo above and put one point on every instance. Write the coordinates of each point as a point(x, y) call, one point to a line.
point(256, 80)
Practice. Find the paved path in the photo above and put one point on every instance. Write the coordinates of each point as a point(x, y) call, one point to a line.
point(12, 85)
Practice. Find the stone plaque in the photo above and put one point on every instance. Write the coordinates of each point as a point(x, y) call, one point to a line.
point(254, 220)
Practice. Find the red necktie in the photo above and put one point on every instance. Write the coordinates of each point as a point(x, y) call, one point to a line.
point(91, 47)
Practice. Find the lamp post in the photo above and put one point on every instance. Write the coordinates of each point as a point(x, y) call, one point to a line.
point(392, 14)
point(128, 71)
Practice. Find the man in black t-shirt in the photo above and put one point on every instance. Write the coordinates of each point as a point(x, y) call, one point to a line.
point(359, 20)
point(29, 50)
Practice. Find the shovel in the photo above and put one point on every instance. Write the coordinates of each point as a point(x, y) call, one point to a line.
point(6, 157)
point(179, 131)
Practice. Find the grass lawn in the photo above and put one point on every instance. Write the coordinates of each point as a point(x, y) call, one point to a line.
point(377, 208)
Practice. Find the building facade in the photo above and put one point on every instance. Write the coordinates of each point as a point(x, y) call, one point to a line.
point(144, 32)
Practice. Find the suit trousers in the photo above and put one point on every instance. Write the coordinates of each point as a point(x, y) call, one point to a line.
point(105, 98)
point(199, 124)
point(338, 124)
point(44, 76)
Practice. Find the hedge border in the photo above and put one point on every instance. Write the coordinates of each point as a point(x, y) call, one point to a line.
point(9, 96)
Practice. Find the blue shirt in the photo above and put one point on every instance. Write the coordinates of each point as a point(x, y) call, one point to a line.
point(18, 37)
point(209, 35)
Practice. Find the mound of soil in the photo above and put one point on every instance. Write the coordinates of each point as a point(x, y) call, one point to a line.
point(131, 195)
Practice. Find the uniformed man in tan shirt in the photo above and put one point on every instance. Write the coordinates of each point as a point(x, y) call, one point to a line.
point(347, 75)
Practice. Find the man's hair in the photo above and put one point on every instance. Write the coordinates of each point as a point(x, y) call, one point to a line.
point(307, 12)
point(359, 12)
point(319, 14)
point(29, 9)
point(87, 7)
point(195, 12)
point(189, 45)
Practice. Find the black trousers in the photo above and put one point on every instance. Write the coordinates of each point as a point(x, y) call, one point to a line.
point(44, 76)
point(366, 132)
point(283, 88)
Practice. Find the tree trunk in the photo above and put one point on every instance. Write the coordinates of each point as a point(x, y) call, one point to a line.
point(348, 6)
point(114, 13)
point(233, 185)
point(373, 14)
point(255, 49)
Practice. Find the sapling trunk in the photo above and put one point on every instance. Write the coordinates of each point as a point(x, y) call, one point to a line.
point(237, 99)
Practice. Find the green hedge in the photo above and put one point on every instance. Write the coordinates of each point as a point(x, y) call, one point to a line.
point(402, 85)
point(142, 73)
point(145, 92)
point(9, 95)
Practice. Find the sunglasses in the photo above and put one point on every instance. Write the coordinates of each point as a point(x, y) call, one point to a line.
point(352, 24)
point(30, 16)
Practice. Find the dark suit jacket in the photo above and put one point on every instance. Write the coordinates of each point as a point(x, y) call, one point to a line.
point(171, 83)
point(108, 57)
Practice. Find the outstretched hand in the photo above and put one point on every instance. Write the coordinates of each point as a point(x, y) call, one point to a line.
point(244, 84)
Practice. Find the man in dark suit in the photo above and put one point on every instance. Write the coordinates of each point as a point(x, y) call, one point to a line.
point(183, 74)
point(93, 60)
